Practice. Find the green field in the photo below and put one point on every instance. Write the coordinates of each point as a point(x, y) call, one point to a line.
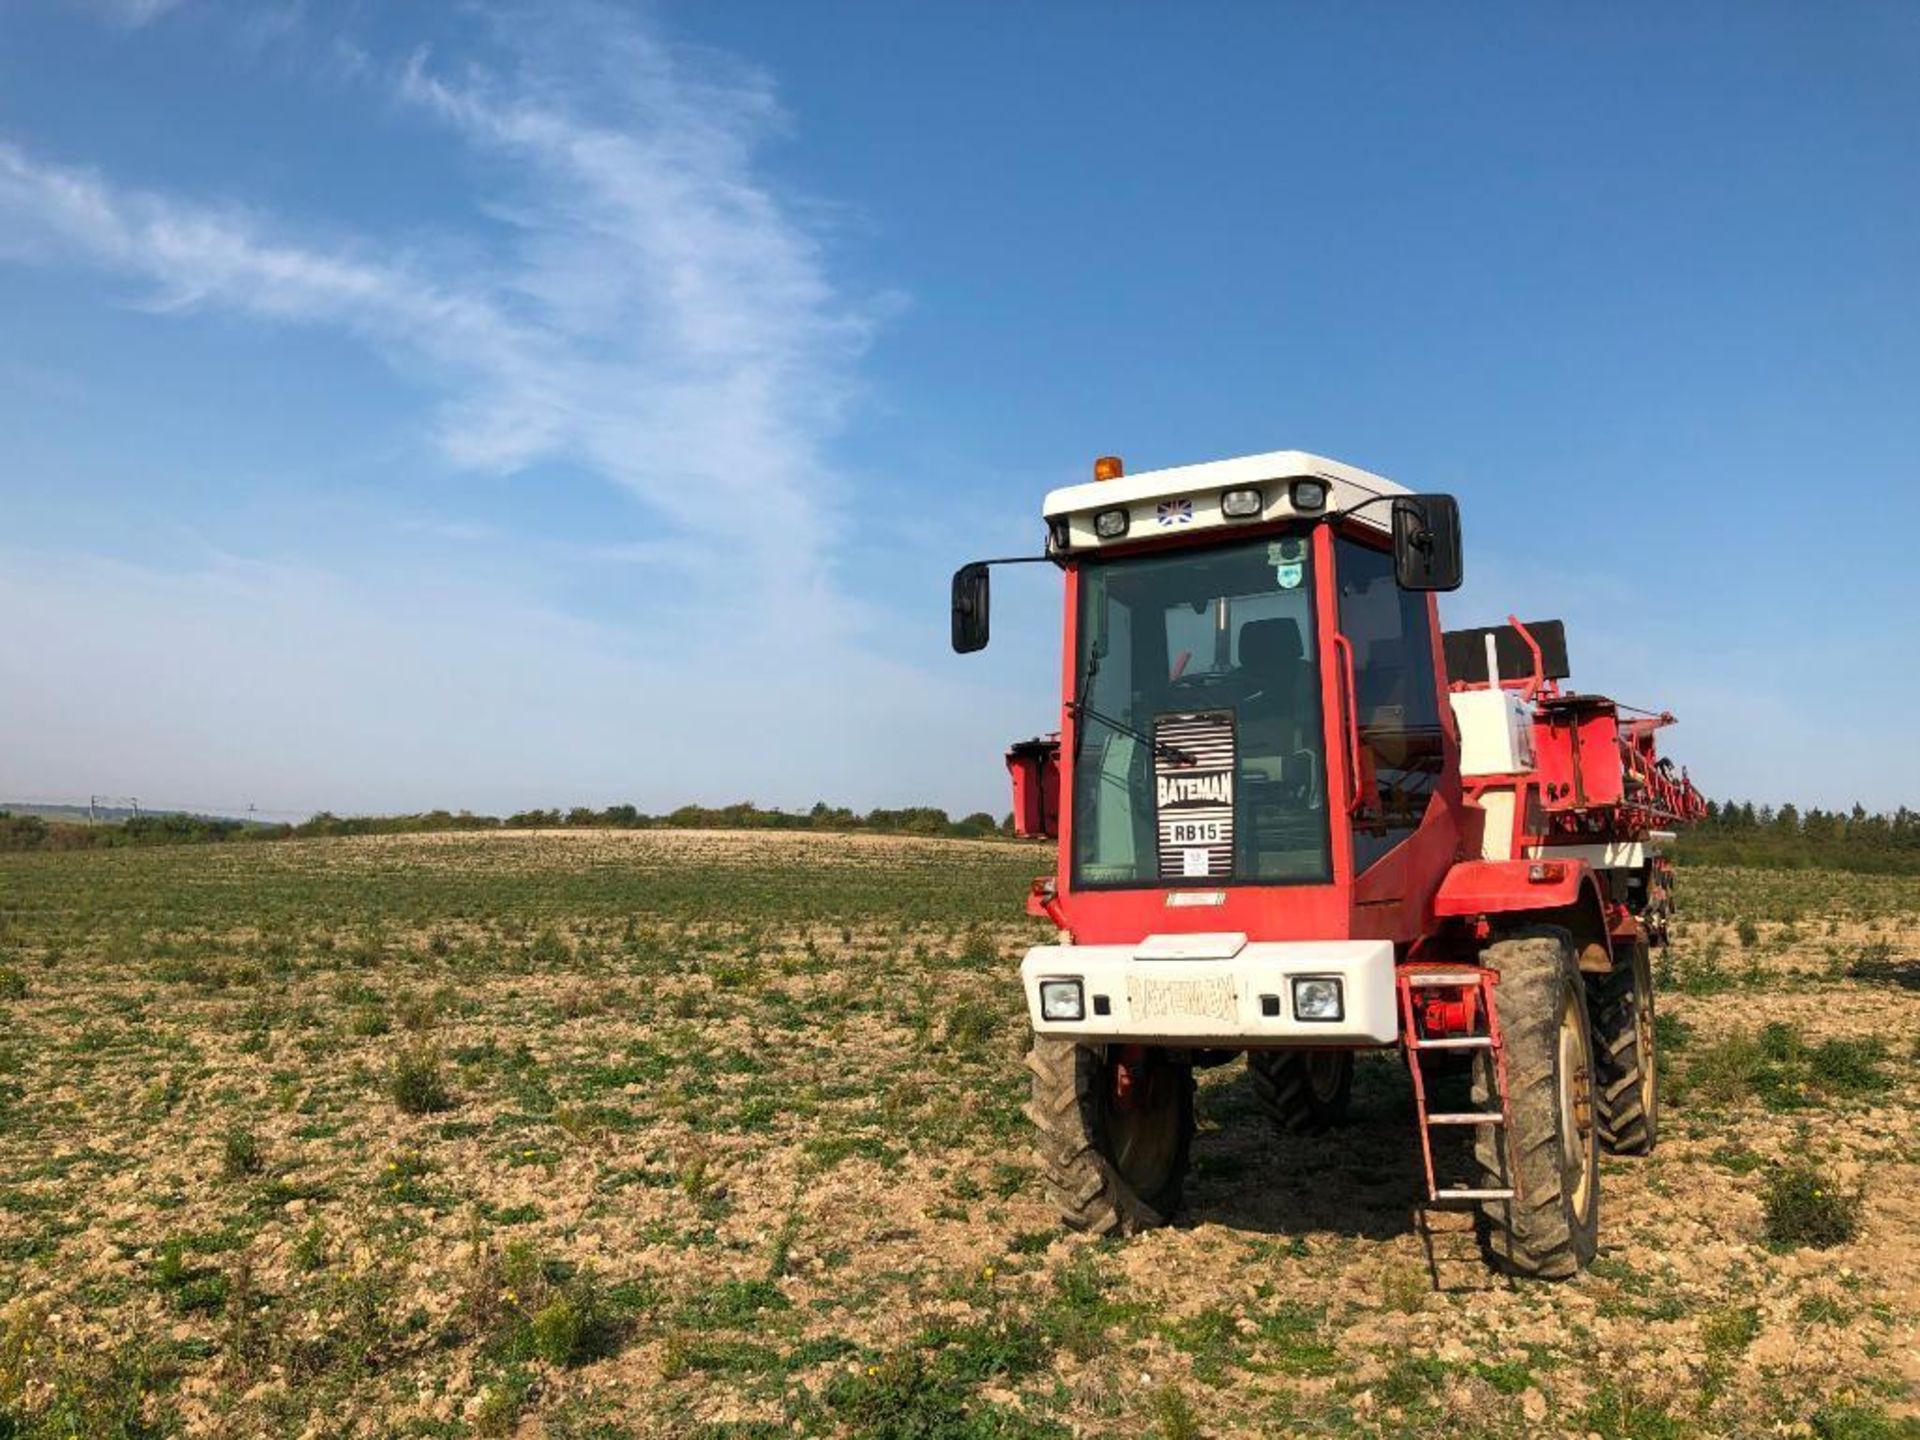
point(676, 1133)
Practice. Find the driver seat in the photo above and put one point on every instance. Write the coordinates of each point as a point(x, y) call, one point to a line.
point(1274, 719)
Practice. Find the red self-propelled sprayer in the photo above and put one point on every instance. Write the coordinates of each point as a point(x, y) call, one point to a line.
point(1297, 819)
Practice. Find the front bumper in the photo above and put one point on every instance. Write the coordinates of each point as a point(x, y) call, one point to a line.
point(1217, 990)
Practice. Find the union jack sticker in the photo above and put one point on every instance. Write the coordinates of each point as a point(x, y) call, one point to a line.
point(1174, 512)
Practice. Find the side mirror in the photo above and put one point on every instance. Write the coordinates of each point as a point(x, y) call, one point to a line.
point(971, 597)
point(1426, 543)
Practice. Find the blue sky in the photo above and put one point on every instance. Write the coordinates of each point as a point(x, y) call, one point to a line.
point(501, 406)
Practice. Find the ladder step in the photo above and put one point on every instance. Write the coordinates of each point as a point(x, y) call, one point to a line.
point(1473, 1195)
point(1471, 1117)
point(1462, 979)
point(1461, 1042)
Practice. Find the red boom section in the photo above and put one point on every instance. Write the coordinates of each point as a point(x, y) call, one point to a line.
point(1600, 773)
point(1597, 770)
point(1034, 768)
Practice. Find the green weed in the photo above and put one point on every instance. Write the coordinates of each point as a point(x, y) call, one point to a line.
point(1804, 1206)
point(417, 1083)
point(1850, 1067)
point(310, 1248)
point(1729, 1331)
point(970, 1024)
point(240, 1153)
point(1173, 1414)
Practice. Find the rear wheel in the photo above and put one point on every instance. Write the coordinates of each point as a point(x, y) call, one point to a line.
point(1626, 1088)
point(1551, 1157)
point(1115, 1124)
point(1302, 1090)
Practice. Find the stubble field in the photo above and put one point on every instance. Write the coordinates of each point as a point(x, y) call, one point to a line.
point(671, 1134)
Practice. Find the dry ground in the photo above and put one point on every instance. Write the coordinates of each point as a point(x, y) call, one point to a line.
point(684, 1134)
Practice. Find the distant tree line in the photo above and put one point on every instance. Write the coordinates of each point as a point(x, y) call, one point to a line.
point(32, 832)
point(1736, 833)
point(1788, 838)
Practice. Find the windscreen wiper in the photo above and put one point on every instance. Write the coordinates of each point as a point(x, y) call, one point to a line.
point(1080, 708)
point(1079, 695)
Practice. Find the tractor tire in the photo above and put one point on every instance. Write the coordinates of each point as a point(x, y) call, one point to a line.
point(1112, 1166)
point(1302, 1091)
point(1626, 1086)
point(1550, 1153)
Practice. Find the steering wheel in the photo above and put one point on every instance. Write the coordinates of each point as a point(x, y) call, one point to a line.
point(1203, 682)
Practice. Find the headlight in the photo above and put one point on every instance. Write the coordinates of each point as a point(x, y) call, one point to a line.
point(1061, 1000)
point(1308, 496)
point(1110, 524)
point(1317, 1000)
point(1240, 504)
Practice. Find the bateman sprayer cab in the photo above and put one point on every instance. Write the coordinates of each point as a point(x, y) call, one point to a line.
point(1296, 819)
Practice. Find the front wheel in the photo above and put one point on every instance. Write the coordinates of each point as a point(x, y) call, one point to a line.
point(1115, 1124)
point(1550, 1154)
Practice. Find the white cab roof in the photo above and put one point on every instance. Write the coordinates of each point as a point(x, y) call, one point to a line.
point(1187, 497)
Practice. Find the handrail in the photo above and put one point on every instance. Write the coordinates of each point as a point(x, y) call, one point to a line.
point(1539, 661)
point(1350, 718)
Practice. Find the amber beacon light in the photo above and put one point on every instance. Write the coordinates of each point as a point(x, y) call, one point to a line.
point(1109, 467)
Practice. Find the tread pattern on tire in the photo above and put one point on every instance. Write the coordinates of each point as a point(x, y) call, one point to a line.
point(1620, 1111)
point(1083, 1185)
point(1531, 1235)
point(1282, 1090)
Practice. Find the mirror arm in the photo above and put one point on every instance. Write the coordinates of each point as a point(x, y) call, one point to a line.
point(1335, 515)
point(1017, 560)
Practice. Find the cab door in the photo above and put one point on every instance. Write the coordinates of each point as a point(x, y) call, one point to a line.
point(1404, 815)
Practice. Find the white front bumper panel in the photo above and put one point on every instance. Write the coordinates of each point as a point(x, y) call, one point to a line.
point(1223, 998)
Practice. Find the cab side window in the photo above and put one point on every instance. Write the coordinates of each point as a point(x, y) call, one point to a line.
point(1397, 705)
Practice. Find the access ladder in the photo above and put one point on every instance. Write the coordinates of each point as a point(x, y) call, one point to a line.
point(1466, 1021)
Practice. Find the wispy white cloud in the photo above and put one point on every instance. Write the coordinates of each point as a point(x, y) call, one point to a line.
point(204, 255)
point(651, 309)
point(708, 356)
